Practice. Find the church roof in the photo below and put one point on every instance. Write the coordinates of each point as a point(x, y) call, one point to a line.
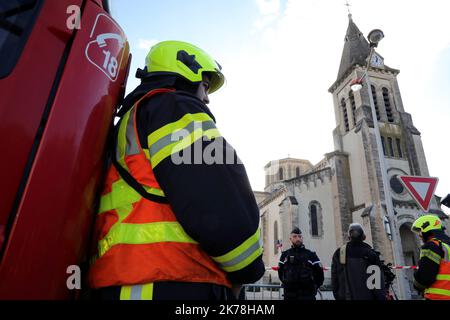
point(293, 200)
point(356, 51)
point(366, 211)
point(356, 48)
point(284, 160)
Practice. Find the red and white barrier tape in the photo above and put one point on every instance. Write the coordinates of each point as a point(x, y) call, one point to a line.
point(328, 268)
point(403, 267)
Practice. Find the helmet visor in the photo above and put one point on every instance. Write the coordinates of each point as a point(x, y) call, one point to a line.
point(217, 81)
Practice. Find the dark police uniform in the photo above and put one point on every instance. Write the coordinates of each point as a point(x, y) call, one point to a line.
point(301, 272)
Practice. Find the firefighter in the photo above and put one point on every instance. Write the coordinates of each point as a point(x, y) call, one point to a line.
point(350, 269)
point(177, 218)
point(300, 270)
point(432, 278)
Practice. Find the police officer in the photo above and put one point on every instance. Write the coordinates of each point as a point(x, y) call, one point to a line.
point(300, 270)
point(432, 278)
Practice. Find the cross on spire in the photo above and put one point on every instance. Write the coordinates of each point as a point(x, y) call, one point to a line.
point(348, 5)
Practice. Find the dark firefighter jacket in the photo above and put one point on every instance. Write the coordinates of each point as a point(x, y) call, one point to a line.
point(208, 190)
point(213, 202)
point(428, 266)
point(349, 281)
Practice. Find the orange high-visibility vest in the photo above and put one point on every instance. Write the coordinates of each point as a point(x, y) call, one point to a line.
point(440, 289)
point(139, 238)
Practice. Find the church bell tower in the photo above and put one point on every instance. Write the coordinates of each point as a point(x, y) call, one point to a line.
point(402, 146)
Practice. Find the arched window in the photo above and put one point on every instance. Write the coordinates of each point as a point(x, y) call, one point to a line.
point(314, 222)
point(315, 219)
point(275, 237)
point(384, 145)
point(297, 172)
point(353, 104)
point(391, 147)
point(344, 114)
point(280, 174)
point(387, 105)
point(399, 148)
point(375, 101)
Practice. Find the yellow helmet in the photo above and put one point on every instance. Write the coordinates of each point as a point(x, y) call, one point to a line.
point(186, 60)
point(427, 223)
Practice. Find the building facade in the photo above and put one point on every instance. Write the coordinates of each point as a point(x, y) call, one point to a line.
point(346, 185)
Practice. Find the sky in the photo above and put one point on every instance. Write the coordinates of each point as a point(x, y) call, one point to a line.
point(281, 56)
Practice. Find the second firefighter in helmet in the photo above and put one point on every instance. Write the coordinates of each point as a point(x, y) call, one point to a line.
point(169, 230)
point(432, 278)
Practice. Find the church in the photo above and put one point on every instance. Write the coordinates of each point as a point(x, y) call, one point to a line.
point(346, 186)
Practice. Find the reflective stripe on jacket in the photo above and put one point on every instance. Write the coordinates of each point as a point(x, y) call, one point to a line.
point(440, 289)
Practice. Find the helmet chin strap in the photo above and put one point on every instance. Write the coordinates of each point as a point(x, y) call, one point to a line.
point(427, 236)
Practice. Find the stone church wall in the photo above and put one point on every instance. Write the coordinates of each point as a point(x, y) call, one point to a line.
point(317, 190)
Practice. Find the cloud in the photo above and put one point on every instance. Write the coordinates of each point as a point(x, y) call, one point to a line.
point(269, 11)
point(263, 22)
point(268, 7)
point(294, 58)
point(146, 44)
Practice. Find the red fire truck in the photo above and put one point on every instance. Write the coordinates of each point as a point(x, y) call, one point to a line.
point(63, 70)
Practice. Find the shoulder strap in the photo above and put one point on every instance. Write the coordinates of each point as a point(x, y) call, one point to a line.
point(126, 176)
point(343, 254)
point(436, 241)
point(132, 182)
point(343, 261)
point(447, 251)
point(445, 247)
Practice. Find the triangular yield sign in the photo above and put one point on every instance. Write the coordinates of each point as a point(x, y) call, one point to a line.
point(420, 188)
